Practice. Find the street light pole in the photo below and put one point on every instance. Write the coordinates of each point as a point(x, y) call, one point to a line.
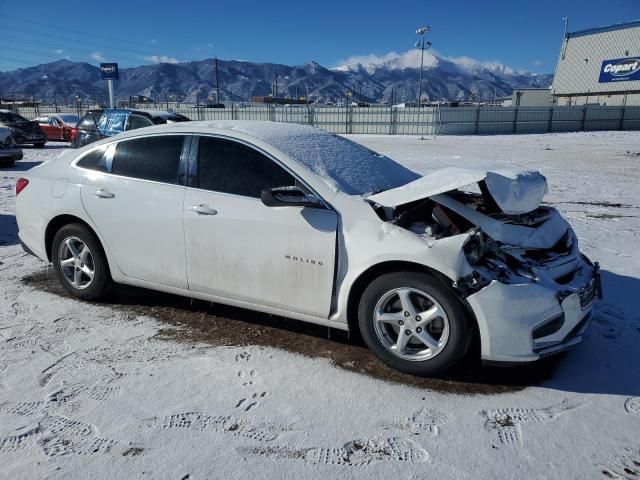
point(422, 32)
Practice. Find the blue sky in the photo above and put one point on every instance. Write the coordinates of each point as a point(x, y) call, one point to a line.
point(522, 35)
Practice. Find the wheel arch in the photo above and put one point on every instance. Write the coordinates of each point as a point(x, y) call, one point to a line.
point(59, 221)
point(366, 277)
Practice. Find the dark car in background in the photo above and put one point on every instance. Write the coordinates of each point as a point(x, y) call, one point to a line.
point(98, 124)
point(86, 130)
point(9, 151)
point(23, 131)
point(58, 126)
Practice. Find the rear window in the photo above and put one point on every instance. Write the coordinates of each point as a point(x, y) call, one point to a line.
point(154, 158)
point(112, 123)
point(89, 121)
point(11, 117)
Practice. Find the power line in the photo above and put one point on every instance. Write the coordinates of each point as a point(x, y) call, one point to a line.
point(55, 31)
point(73, 45)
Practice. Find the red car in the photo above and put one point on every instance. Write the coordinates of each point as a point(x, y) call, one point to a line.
point(58, 126)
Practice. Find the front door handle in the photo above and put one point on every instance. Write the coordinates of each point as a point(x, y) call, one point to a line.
point(203, 210)
point(102, 193)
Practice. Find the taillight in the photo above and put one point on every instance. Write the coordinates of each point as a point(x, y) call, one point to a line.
point(74, 132)
point(21, 185)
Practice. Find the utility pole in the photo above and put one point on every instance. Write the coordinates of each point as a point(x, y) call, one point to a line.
point(275, 83)
point(422, 32)
point(217, 83)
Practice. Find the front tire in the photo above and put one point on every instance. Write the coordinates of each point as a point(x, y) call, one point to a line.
point(414, 323)
point(80, 263)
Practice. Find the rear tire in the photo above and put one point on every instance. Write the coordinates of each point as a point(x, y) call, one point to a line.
point(414, 323)
point(38, 145)
point(80, 263)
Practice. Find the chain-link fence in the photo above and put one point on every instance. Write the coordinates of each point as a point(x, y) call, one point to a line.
point(392, 120)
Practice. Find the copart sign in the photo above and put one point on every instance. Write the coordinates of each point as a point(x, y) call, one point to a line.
point(620, 70)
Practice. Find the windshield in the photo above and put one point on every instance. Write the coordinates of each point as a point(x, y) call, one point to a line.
point(69, 119)
point(344, 165)
point(11, 117)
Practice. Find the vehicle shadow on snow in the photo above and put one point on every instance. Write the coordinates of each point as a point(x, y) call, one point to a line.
point(8, 230)
point(20, 166)
point(582, 370)
point(608, 359)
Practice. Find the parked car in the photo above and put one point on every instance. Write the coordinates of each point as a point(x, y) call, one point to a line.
point(22, 130)
point(58, 127)
point(300, 223)
point(9, 151)
point(86, 130)
point(98, 124)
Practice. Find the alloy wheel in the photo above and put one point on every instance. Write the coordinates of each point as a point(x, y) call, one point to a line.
point(411, 324)
point(76, 262)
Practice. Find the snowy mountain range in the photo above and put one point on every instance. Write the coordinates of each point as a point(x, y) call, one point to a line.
point(392, 77)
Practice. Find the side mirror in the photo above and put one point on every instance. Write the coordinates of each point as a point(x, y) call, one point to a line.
point(289, 197)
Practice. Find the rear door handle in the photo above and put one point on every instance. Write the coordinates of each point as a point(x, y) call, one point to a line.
point(203, 210)
point(102, 193)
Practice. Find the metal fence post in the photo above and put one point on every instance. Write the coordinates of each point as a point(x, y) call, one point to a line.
point(515, 121)
point(584, 118)
point(622, 113)
point(550, 125)
point(477, 129)
point(310, 114)
point(392, 121)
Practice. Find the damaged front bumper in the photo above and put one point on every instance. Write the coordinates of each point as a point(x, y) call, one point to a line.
point(524, 322)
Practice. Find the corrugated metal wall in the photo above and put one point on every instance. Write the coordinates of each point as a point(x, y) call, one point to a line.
point(581, 57)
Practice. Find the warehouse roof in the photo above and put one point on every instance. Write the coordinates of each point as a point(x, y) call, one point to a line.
point(606, 28)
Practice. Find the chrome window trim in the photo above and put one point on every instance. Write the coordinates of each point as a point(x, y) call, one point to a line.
point(193, 167)
point(110, 151)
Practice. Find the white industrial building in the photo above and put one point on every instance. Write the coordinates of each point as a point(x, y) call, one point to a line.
point(599, 66)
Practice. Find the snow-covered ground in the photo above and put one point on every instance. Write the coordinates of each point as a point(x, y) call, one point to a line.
point(129, 389)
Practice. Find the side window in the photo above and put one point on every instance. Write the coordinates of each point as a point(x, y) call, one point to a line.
point(231, 167)
point(150, 158)
point(138, 121)
point(94, 160)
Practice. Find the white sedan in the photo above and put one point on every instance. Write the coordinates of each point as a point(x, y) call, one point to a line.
point(297, 222)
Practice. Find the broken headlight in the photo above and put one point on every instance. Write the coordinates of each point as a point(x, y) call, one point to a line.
point(490, 262)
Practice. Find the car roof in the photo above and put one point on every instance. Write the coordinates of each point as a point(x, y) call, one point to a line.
point(345, 165)
point(152, 113)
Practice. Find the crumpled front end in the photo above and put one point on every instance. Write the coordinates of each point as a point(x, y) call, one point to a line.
point(523, 276)
point(529, 303)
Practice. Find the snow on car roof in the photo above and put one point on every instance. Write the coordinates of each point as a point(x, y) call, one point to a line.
point(344, 165)
point(157, 113)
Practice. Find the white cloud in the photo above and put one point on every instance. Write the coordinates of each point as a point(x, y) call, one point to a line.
point(411, 59)
point(153, 40)
point(98, 56)
point(58, 51)
point(161, 59)
point(537, 63)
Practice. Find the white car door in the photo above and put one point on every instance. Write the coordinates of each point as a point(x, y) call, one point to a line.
point(238, 248)
point(136, 204)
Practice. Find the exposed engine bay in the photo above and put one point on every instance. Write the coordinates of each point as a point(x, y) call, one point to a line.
point(512, 238)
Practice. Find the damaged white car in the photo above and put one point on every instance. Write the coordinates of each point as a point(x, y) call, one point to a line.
point(297, 222)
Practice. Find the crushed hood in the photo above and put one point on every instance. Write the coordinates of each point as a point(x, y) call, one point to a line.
point(4, 134)
point(514, 191)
